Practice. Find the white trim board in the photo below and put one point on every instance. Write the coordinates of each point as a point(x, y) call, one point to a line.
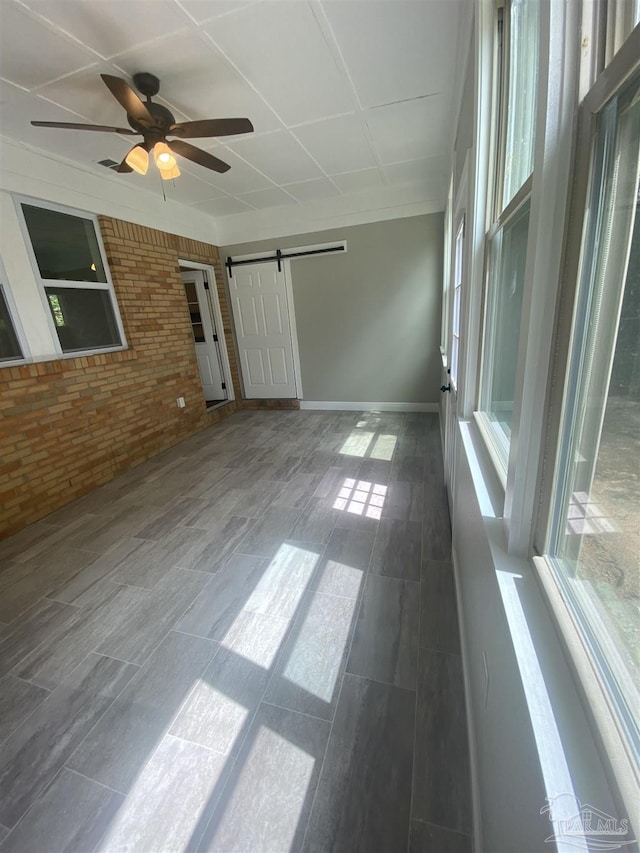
point(339, 405)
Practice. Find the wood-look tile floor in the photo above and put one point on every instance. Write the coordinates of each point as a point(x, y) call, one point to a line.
point(248, 643)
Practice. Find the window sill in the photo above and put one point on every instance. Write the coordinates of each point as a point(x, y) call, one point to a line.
point(489, 489)
point(595, 695)
point(494, 448)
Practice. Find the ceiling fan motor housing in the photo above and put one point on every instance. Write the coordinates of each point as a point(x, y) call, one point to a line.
point(147, 84)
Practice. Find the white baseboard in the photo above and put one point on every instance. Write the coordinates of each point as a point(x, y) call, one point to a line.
point(339, 405)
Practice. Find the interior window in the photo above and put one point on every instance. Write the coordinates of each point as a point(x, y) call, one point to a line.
point(516, 86)
point(74, 277)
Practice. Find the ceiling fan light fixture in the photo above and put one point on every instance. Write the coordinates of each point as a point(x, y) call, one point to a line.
point(167, 174)
point(138, 159)
point(165, 161)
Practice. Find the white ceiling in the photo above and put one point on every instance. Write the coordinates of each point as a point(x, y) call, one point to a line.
point(346, 96)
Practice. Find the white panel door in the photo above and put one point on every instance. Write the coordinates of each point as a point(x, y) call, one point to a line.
point(263, 330)
point(204, 335)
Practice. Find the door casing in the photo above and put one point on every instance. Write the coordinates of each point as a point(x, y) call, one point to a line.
point(214, 304)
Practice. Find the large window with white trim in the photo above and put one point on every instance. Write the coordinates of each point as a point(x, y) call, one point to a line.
point(593, 541)
point(69, 262)
point(516, 86)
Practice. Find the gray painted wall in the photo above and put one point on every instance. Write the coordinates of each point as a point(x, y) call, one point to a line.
point(369, 320)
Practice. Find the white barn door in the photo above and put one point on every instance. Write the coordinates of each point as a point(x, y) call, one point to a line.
point(263, 330)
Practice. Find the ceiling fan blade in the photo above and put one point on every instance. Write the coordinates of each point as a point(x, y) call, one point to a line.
point(126, 97)
point(211, 127)
point(197, 155)
point(73, 126)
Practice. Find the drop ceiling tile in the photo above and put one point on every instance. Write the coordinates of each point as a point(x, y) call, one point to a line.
point(241, 178)
point(411, 130)
point(338, 144)
point(351, 182)
point(19, 109)
point(273, 197)
point(197, 80)
point(418, 42)
point(311, 190)
point(278, 155)
point(205, 10)
point(86, 94)
point(110, 28)
point(281, 50)
point(190, 188)
point(31, 53)
point(223, 206)
point(431, 173)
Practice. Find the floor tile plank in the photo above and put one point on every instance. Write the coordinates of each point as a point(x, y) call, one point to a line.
point(222, 704)
point(72, 815)
point(153, 818)
point(120, 745)
point(427, 838)
point(50, 663)
point(266, 802)
point(344, 563)
point(38, 749)
point(38, 625)
point(39, 581)
point(438, 608)
point(268, 534)
point(436, 525)
point(364, 792)
point(216, 607)
point(441, 771)
point(398, 549)
point(386, 639)
point(309, 672)
point(153, 615)
point(18, 699)
point(316, 522)
point(219, 542)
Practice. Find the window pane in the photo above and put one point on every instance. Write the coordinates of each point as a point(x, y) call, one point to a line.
point(521, 98)
point(595, 535)
point(9, 345)
point(65, 246)
point(502, 331)
point(84, 319)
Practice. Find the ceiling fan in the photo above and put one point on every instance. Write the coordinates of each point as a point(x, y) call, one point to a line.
point(154, 123)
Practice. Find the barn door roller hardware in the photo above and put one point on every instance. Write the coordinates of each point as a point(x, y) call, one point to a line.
point(279, 257)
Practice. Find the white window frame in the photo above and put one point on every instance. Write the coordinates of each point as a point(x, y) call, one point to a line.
point(496, 218)
point(446, 278)
point(570, 619)
point(17, 325)
point(456, 300)
point(548, 190)
point(43, 283)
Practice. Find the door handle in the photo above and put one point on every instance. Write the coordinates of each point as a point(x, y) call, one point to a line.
point(445, 387)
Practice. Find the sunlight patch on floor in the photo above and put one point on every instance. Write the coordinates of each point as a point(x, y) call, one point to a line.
point(361, 498)
point(357, 444)
point(315, 660)
point(384, 447)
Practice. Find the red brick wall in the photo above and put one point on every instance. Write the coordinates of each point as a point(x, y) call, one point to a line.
point(69, 425)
